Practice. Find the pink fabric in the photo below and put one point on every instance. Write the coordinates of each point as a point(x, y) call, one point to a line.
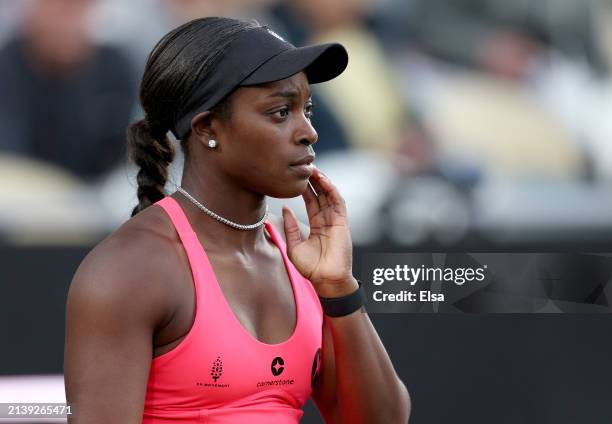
point(220, 373)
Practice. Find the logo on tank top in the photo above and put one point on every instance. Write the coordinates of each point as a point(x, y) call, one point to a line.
point(277, 367)
point(216, 371)
point(316, 366)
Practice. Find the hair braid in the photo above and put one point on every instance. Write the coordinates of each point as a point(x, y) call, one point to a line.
point(152, 151)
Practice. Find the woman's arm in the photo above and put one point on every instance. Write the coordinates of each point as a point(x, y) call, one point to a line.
point(112, 310)
point(358, 383)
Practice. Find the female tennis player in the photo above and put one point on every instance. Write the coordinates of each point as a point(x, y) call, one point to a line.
point(204, 308)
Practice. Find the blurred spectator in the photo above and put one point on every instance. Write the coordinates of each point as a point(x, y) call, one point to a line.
point(10, 11)
point(505, 36)
point(65, 100)
point(496, 95)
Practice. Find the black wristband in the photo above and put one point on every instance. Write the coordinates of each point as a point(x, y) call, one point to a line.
point(344, 305)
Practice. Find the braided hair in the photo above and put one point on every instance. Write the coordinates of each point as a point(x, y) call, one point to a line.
point(182, 58)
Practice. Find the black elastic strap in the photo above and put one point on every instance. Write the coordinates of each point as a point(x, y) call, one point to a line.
point(344, 305)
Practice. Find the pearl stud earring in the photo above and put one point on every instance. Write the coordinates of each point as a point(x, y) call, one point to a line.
point(212, 143)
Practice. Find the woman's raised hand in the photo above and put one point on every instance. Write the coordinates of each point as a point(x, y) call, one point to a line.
point(326, 257)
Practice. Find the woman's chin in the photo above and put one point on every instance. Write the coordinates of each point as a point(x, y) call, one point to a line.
point(290, 189)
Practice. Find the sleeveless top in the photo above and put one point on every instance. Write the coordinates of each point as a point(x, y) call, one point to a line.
point(219, 373)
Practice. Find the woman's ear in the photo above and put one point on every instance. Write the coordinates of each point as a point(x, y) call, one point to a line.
point(201, 126)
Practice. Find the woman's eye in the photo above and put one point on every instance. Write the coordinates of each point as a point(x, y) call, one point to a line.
point(308, 111)
point(282, 113)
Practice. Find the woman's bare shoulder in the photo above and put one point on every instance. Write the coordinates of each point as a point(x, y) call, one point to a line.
point(138, 245)
point(132, 266)
point(120, 296)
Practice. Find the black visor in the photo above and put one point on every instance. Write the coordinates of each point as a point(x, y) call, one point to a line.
point(259, 56)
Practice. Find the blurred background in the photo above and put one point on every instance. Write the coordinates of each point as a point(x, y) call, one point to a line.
point(459, 125)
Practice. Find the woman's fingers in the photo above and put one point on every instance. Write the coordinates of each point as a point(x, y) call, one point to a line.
point(324, 206)
point(328, 193)
point(292, 229)
point(312, 202)
point(315, 180)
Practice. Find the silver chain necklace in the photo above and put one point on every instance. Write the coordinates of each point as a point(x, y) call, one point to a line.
point(220, 218)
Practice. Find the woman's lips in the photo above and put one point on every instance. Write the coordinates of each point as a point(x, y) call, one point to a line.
point(304, 170)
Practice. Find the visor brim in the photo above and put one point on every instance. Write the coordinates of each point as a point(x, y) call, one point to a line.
point(321, 62)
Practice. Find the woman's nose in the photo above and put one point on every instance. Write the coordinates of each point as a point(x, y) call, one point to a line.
point(307, 135)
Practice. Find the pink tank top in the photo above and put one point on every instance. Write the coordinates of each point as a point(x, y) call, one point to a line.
point(220, 373)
